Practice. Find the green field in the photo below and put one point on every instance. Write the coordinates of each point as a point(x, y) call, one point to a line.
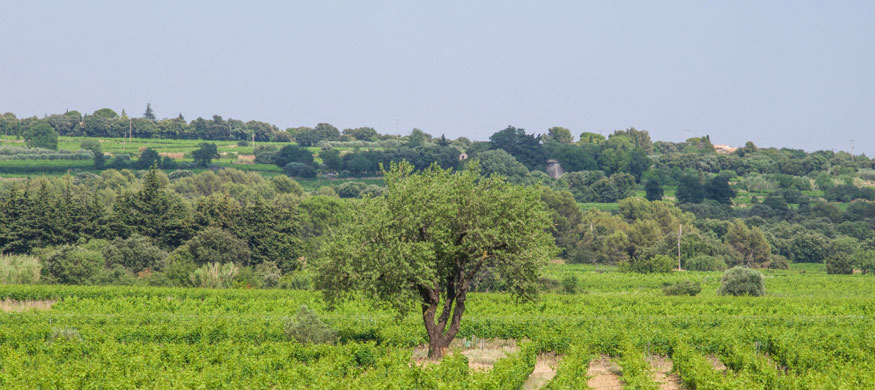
point(811, 331)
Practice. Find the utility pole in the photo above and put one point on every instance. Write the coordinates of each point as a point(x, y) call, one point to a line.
point(680, 232)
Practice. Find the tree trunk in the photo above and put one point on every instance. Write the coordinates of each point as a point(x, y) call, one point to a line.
point(439, 336)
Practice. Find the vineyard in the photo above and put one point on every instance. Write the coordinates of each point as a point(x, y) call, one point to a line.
point(810, 331)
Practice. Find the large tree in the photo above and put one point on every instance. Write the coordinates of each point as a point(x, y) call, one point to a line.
point(432, 234)
point(41, 135)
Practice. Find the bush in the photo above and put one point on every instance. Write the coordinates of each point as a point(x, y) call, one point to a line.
point(296, 169)
point(655, 264)
point(243, 143)
point(19, 269)
point(683, 288)
point(841, 251)
point(268, 273)
point(214, 275)
point(136, 253)
point(265, 154)
point(307, 328)
point(118, 275)
point(705, 263)
point(778, 262)
point(214, 245)
point(73, 265)
point(298, 280)
point(742, 281)
point(351, 189)
point(569, 284)
point(285, 185)
point(864, 260)
point(179, 174)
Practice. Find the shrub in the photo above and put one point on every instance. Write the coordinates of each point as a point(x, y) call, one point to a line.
point(307, 328)
point(298, 280)
point(296, 169)
point(179, 174)
point(655, 264)
point(265, 154)
point(216, 245)
point(268, 273)
point(778, 262)
point(136, 253)
point(285, 185)
point(864, 260)
point(118, 275)
point(683, 288)
point(19, 269)
point(214, 275)
point(742, 281)
point(73, 265)
point(243, 143)
point(841, 251)
point(569, 284)
point(351, 189)
point(705, 263)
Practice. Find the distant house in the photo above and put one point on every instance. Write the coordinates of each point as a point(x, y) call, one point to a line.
point(463, 157)
point(725, 149)
point(554, 169)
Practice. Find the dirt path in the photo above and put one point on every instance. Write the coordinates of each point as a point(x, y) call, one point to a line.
point(10, 305)
point(603, 373)
point(662, 373)
point(545, 370)
point(481, 353)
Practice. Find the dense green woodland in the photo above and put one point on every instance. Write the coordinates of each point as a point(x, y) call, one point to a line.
point(123, 221)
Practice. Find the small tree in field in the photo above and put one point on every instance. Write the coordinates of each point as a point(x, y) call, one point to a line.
point(432, 234)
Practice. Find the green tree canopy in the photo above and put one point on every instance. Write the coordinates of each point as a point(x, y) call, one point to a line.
point(41, 135)
point(432, 234)
point(204, 154)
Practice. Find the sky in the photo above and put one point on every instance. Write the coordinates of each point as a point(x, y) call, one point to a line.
point(797, 74)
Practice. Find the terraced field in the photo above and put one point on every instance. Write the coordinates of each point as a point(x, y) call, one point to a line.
point(811, 331)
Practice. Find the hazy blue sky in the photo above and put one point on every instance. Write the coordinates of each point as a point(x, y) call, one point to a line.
point(781, 73)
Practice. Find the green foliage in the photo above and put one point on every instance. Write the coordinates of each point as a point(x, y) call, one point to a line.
point(307, 328)
point(148, 158)
point(268, 273)
point(215, 275)
point(691, 189)
point(749, 242)
point(205, 154)
point(500, 162)
point(19, 269)
point(653, 190)
point(350, 189)
point(841, 251)
point(655, 264)
point(296, 169)
point(704, 263)
point(742, 281)
point(570, 284)
point(72, 265)
point(136, 253)
point(41, 135)
point(293, 153)
point(94, 147)
point(214, 245)
point(864, 260)
point(683, 288)
point(637, 372)
point(430, 235)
